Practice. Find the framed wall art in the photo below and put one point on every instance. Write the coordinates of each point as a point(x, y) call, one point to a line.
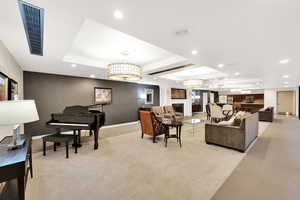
point(103, 95)
point(3, 87)
point(178, 93)
point(149, 95)
point(12, 90)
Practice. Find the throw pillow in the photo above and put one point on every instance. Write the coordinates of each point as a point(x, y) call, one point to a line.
point(229, 122)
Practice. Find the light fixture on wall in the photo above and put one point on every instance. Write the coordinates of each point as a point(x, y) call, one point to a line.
point(196, 83)
point(124, 71)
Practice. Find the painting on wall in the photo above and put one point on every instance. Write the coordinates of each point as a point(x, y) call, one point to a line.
point(3, 87)
point(178, 93)
point(103, 96)
point(149, 93)
point(13, 90)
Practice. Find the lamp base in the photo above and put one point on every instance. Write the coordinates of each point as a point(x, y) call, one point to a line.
point(19, 144)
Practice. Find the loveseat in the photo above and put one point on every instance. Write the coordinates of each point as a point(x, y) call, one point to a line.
point(266, 114)
point(236, 136)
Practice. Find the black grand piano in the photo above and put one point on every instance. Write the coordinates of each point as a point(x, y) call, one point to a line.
point(78, 118)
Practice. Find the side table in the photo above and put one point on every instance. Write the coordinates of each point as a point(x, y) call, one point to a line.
point(171, 124)
point(14, 164)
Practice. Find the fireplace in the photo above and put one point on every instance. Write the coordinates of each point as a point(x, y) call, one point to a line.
point(178, 107)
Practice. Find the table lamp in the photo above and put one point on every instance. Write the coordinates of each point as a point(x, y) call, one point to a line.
point(15, 113)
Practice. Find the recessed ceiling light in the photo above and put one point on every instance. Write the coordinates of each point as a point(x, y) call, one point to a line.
point(73, 65)
point(284, 61)
point(286, 83)
point(286, 86)
point(236, 73)
point(92, 76)
point(155, 78)
point(118, 14)
point(194, 52)
point(285, 76)
point(220, 65)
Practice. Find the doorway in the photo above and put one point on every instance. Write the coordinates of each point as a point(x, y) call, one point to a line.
point(196, 101)
point(286, 102)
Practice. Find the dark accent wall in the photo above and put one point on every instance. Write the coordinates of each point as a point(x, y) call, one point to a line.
point(53, 93)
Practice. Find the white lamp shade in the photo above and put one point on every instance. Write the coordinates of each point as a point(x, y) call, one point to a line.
point(18, 112)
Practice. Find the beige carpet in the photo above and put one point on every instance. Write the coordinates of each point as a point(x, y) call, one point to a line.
point(271, 169)
point(128, 167)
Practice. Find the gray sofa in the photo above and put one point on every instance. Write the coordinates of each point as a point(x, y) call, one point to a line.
point(235, 137)
point(266, 114)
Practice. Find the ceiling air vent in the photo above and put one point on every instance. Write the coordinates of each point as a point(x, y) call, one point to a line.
point(33, 20)
point(182, 32)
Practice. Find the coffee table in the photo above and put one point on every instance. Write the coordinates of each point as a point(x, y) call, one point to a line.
point(194, 122)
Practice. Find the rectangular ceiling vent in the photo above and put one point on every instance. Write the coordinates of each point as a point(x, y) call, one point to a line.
point(33, 21)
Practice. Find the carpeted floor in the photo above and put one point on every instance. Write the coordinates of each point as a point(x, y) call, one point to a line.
point(128, 167)
point(271, 169)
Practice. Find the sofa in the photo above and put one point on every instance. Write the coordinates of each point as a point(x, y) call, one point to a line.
point(266, 114)
point(166, 112)
point(236, 136)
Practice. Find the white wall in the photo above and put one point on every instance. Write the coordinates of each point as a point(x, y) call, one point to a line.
point(297, 101)
point(11, 68)
point(165, 96)
point(270, 98)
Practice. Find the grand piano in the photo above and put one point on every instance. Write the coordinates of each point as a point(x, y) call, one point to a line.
point(78, 118)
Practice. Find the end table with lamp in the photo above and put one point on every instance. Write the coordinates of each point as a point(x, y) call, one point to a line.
point(15, 151)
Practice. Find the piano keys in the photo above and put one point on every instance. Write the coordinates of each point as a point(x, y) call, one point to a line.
point(78, 118)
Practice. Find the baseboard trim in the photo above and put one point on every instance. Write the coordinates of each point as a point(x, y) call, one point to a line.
point(103, 127)
point(121, 124)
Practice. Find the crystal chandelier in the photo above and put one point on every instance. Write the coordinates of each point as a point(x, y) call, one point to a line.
point(193, 83)
point(124, 71)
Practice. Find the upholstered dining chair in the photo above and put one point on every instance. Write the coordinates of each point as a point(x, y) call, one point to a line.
point(208, 111)
point(151, 125)
point(227, 110)
point(216, 113)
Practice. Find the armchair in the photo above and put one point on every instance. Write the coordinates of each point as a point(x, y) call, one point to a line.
point(170, 110)
point(158, 111)
point(151, 125)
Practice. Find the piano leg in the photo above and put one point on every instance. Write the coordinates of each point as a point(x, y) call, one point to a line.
point(76, 139)
point(96, 133)
point(75, 142)
point(79, 138)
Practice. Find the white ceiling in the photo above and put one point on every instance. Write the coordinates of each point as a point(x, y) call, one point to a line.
point(193, 72)
point(249, 37)
point(98, 45)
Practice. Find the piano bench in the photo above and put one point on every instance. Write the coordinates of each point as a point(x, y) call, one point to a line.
point(59, 138)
